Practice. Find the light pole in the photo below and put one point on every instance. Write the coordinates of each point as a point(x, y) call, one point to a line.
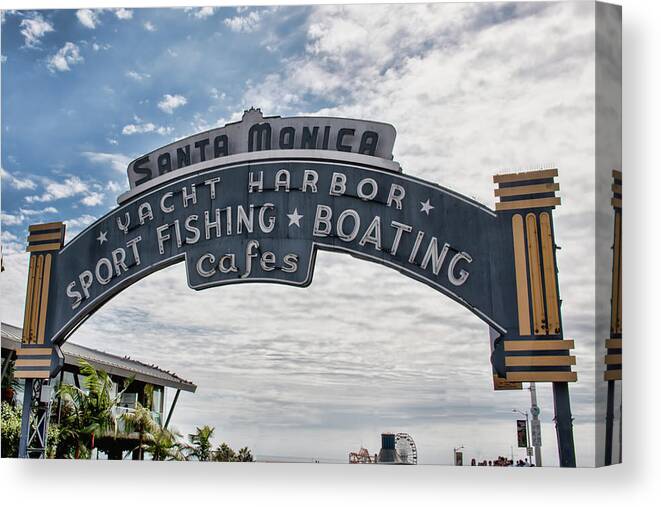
point(527, 428)
point(536, 425)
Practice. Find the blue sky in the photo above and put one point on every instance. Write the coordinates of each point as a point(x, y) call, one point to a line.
point(472, 89)
point(64, 68)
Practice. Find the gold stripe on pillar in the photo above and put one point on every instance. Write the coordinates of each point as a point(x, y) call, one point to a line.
point(538, 313)
point(44, 299)
point(35, 298)
point(32, 374)
point(28, 301)
point(524, 345)
point(541, 376)
point(553, 315)
point(32, 362)
point(34, 351)
point(521, 275)
point(541, 188)
point(540, 360)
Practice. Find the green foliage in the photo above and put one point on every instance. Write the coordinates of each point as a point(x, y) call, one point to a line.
point(201, 448)
point(10, 430)
point(10, 384)
point(244, 455)
point(53, 440)
point(224, 453)
point(164, 445)
point(149, 395)
point(201, 443)
point(140, 421)
point(86, 414)
point(9, 381)
point(89, 413)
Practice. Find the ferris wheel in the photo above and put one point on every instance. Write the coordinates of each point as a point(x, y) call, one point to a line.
point(406, 449)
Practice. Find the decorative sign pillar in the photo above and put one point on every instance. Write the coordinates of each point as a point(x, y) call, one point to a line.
point(38, 359)
point(539, 353)
point(613, 358)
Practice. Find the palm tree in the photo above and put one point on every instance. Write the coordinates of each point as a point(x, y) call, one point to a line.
point(88, 413)
point(10, 384)
point(140, 421)
point(164, 445)
point(224, 453)
point(244, 455)
point(201, 443)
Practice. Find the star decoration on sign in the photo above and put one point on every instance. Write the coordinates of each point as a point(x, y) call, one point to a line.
point(295, 218)
point(102, 237)
point(426, 207)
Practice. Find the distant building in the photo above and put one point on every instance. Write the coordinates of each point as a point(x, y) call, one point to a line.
point(396, 449)
point(388, 454)
point(362, 457)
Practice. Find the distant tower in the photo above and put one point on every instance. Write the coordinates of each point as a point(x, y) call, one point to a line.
point(387, 454)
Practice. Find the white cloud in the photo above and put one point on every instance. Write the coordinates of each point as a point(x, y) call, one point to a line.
point(248, 23)
point(92, 199)
point(11, 219)
point(140, 127)
point(98, 47)
point(11, 244)
point(34, 28)
point(36, 212)
point(3, 58)
point(81, 221)
point(137, 76)
point(23, 214)
point(66, 56)
point(116, 161)
point(200, 12)
point(88, 18)
point(70, 187)
point(16, 182)
point(216, 95)
point(271, 95)
point(7, 236)
point(75, 225)
point(171, 102)
point(124, 13)
point(114, 187)
point(149, 26)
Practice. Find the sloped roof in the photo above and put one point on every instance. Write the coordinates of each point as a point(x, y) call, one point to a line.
point(110, 363)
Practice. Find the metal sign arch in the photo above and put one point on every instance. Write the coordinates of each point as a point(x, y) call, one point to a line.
point(263, 216)
point(61, 331)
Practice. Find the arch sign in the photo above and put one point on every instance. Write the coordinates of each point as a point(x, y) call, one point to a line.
point(254, 201)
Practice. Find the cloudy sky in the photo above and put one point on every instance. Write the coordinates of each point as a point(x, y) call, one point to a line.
point(472, 89)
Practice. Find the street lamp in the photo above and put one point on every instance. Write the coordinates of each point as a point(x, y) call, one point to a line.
point(527, 429)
